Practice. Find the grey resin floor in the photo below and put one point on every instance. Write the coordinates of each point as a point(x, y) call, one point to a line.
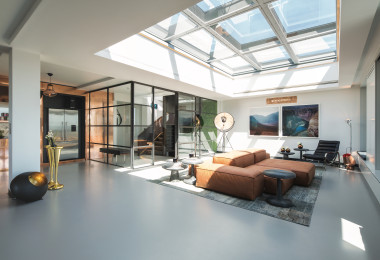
point(107, 214)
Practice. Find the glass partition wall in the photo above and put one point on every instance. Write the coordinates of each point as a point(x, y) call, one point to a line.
point(135, 125)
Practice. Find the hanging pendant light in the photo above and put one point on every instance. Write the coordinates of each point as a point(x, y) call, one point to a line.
point(49, 91)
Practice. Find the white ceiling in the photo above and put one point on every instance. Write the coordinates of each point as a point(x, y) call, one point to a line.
point(68, 33)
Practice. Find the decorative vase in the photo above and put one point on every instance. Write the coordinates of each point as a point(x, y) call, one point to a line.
point(282, 149)
point(287, 150)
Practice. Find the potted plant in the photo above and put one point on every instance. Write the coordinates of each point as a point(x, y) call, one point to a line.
point(50, 138)
point(287, 150)
point(283, 149)
point(300, 146)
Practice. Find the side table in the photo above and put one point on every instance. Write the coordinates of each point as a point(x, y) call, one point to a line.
point(285, 155)
point(278, 200)
point(192, 161)
point(173, 166)
point(301, 150)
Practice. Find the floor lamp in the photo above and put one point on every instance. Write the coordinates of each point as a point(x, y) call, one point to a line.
point(348, 121)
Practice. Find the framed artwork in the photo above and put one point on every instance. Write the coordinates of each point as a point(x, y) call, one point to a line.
point(300, 120)
point(264, 121)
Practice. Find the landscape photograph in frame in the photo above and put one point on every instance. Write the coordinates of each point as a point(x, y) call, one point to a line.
point(264, 121)
point(300, 120)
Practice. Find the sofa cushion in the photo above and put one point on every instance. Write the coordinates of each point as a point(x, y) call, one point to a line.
point(260, 154)
point(235, 158)
point(304, 171)
point(235, 181)
point(270, 184)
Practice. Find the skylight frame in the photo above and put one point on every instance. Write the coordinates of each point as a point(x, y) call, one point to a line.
point(283, 40)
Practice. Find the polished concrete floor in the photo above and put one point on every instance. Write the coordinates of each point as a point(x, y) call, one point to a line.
point(103, 213)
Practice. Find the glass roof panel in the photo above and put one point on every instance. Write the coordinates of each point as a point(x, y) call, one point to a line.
point(271, 55)
point(320, 47)
point(234, 65)
point(203, 45)
point(173, 25)
point(210, 9)
point(298, 15)
point(246, 30)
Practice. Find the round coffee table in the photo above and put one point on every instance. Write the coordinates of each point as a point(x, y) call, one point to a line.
point(174, 166)
point(285, 155)
point(278, 200)
point(301, 150)
point(192, 161)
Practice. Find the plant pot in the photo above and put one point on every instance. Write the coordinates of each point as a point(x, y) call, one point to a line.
point(283, 150)
point(287, 150)
point(300, 146)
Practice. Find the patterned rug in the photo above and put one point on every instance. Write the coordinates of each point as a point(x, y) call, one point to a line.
point(303, 199)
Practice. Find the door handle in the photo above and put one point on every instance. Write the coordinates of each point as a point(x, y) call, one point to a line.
point(63, 132)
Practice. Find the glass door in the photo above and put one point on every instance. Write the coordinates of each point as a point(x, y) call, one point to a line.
point(64, 124)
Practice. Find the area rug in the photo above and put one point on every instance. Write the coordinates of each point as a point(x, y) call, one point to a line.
point(303, 199)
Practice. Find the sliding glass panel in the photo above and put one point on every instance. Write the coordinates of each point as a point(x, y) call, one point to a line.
point(120, 95)
point(119, 156)
point(246, 30)
point(143, 94)
point(98, 116)
point(98, 152)
point(318, 47)
point(186, 118)
point(142, 157)
point(143, 135)
point(186, 102)
point(173, 25)
point(120, 136)
point(143, 115)
point(98, 134)
point(301, 15)
point(120, 115)
point(211, 9)
point(203, 45)
point(98, 99)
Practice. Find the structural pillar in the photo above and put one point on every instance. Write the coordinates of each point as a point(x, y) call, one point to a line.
point(24, 111)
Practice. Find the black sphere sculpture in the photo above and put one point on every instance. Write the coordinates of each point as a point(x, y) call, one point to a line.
point(29, 186)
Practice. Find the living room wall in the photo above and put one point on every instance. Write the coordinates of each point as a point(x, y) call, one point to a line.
point(334, 107)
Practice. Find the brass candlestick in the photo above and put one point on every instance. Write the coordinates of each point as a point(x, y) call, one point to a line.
point(54, 153)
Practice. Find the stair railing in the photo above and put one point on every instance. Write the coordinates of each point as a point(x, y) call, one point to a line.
point(152, 142)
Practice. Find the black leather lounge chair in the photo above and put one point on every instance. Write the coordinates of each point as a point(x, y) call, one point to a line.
point(327, 152)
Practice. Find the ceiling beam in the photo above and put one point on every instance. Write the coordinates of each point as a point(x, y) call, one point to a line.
point(277, 29)
point(254, 64)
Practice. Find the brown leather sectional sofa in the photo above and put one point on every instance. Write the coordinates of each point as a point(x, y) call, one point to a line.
point(239, 173)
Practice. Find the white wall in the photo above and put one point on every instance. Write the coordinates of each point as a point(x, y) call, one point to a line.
point(335, 107)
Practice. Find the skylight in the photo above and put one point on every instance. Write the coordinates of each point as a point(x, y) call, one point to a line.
point(245, 36)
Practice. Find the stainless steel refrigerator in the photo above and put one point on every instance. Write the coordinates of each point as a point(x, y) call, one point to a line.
point(64, 124)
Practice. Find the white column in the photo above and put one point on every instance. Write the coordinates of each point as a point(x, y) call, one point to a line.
point(24, 111)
